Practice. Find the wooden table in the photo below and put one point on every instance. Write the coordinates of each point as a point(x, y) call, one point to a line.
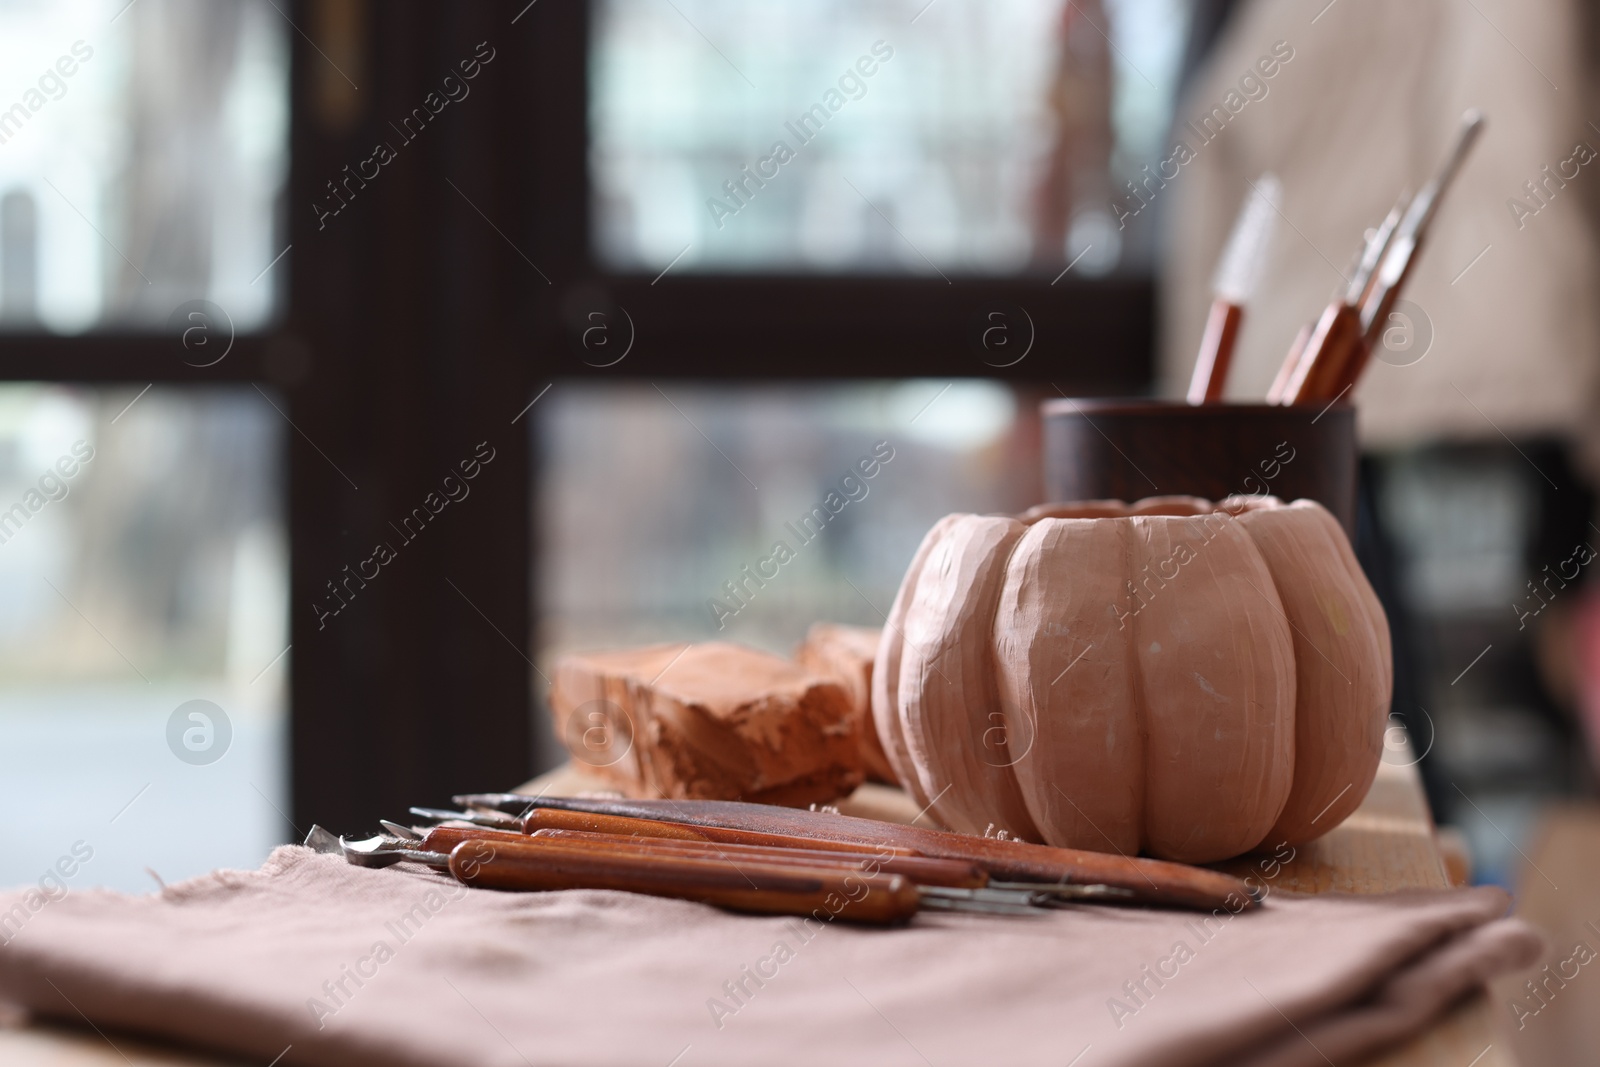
point(1387, 843)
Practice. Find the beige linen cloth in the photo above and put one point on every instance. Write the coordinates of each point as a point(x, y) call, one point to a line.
point(347, 966)
point(1366, 107)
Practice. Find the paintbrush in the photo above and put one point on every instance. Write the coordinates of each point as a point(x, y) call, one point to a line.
point(1323, 349)
point(1342, 344)
point(1238, 272)
point(1297, 348)
point(1378, 242)
point(1401, 255)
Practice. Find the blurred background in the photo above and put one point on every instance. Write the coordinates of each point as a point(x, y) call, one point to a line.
point(143, 154)
point(281, 266)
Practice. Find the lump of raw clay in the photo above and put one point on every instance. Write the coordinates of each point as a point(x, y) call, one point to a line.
point(714, 721)
point(845, 654)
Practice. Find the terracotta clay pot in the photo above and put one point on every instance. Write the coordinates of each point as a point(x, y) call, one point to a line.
point(1174, 677)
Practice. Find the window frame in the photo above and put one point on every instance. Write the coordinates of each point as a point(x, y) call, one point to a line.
point(1091, 336)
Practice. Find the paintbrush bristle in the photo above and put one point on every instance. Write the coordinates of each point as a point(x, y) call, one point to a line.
point(1244, 256)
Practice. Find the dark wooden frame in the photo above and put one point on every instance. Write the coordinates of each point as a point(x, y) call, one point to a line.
point(424, 317)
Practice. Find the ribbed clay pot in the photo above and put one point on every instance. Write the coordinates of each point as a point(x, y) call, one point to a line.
point(1174, 677)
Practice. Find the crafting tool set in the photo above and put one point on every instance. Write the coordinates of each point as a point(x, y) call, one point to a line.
point(764, 859)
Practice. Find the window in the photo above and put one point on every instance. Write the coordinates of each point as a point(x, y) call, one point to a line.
point(143, 149)
point(952, 137)
point(143, 650)
point(456, 286)
point(726, 472)
point(142, 666)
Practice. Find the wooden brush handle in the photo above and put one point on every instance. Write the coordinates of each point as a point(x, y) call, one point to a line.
point(759, 888)
point(1317, 378)
point(599, 823)
point(1297, 348)
point(923, 870)
point(1216, 353)
point(1149, 881)
point(1376, 308)
point(1355, 364)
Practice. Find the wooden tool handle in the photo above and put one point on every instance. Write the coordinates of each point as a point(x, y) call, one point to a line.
point(1355, 364)
point(923, 870)
point(759, 888)
point(1149, 881)
point(445, 838)
point(1216, 353)
point(599, 823)
point(1297, 349)
point(1337, 337)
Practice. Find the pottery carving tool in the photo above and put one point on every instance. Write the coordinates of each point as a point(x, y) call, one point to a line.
point(750, 884)
point(923, 870)
point(927, 872)
point(542, 818)
point(1238, 272)
point(1147, 881)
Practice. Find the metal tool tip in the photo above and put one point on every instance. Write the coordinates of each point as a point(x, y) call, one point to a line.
point(321, 840)
point(436, 814)
point(371, 852)
point(405, 833)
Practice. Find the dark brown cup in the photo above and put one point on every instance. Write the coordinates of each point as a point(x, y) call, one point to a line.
point(1128, 449)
